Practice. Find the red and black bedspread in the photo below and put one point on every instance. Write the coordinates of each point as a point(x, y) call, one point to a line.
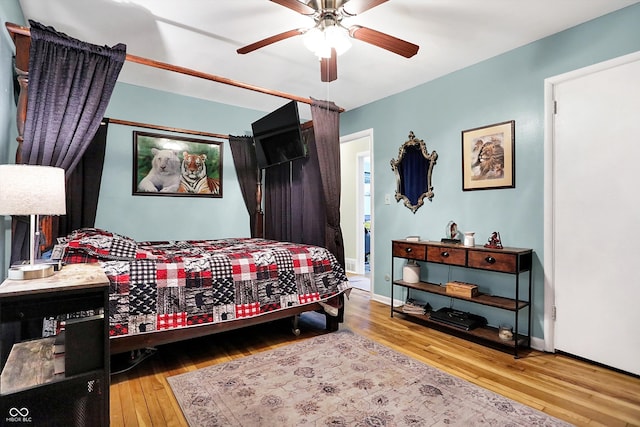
point(164, 285)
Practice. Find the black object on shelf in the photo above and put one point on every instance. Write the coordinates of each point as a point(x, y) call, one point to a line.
point(458, 319)
point(451, 241)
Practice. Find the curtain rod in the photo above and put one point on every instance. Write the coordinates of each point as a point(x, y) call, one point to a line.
point(305, 125)
point(167, 128)
point(25, 31)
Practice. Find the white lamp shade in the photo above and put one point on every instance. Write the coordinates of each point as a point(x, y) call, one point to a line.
point(32, 190)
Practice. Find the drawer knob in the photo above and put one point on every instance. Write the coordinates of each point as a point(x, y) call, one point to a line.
point(408, 249)
point(490, 260)
point(445, 254)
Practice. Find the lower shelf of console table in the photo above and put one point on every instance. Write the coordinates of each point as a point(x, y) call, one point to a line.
point(484, 334)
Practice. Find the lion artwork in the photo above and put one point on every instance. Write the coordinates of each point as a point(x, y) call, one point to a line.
point(194, 177)
point(164, 175)
point(488, 159)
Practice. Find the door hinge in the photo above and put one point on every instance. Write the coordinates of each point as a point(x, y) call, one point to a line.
point(553, 313)
point(555, 107)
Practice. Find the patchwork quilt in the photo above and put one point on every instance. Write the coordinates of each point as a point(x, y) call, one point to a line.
point(165, 285)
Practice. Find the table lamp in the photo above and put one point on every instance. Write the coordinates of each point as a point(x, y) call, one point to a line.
point(32, 190)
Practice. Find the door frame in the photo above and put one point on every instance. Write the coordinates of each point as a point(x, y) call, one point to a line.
point(361, 156)
point(549, 184)
point(367, 133)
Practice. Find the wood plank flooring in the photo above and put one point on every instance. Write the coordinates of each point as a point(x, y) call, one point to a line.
point(580, 393)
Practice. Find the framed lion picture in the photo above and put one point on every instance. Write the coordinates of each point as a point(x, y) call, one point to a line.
point(165, 165)
point(489, 157)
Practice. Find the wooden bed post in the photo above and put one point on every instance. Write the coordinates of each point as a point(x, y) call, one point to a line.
point(23, 45)
point(259, 220)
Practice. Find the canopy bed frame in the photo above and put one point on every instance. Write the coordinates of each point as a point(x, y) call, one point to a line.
point(22, 39)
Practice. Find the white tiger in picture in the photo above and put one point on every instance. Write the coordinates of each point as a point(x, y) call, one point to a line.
point(164, 175)
point(193, 177)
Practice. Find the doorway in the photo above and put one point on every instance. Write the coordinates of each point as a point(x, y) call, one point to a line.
point(356, 216)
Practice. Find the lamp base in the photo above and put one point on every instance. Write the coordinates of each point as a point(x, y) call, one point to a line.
point(30, 271)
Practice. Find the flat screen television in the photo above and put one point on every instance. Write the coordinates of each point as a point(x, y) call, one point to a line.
point(278, 137)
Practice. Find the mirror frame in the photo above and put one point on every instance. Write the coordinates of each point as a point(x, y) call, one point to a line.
point(430, 158)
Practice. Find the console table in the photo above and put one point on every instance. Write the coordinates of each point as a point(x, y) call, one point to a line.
point(512, 261)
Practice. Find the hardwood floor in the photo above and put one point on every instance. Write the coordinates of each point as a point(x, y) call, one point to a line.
point(575, 391)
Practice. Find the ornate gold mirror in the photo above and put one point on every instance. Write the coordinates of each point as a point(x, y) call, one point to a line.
point(413, 173)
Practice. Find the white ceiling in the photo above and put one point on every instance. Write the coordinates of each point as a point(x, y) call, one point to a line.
point(204, 34)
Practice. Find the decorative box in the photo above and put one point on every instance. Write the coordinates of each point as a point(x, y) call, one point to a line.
point(462, 289)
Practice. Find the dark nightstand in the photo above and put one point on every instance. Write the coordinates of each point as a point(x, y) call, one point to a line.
point(30, 392)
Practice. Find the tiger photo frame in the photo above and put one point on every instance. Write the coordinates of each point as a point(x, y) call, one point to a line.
point(488, 157)
point(165, 165)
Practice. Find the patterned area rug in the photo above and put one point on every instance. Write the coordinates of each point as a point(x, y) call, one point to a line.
point(340, 379)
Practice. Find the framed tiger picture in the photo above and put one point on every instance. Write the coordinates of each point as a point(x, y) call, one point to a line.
point(165, 165)
point(489, 157)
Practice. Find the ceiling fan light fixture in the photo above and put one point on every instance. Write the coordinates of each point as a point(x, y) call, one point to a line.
point(321, 41)
point(314, 40)
point(337, 37)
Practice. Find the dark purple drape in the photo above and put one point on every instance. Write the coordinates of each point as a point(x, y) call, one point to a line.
point(294, 203)
point(307, 199)
point(70, 84)
point(326, 125)
point(303, 197)
point(83, 185)
point(244, 160)
point(277, 203)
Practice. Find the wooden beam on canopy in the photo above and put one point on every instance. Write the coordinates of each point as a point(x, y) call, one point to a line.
point(22, 39)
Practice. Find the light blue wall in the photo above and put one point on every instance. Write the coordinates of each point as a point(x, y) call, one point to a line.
point(507, 87)
point(9, 12)
point(156, 217)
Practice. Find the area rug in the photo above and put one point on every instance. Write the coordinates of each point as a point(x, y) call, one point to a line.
point(340, 379)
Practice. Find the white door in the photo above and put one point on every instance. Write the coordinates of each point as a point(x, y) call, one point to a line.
point(596, 215)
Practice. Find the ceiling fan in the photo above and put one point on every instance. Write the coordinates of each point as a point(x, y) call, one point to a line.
point(328, 37)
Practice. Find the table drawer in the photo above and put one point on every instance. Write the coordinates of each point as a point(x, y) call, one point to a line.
point(445, 255)
point(493, 261)
point(409, 250)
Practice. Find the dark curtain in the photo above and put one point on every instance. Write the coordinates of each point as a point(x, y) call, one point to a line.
point(307, 199)
point(302, 198)
point(244, 159)
point(277, 203)
point(326, 125)
point(294, 202)
point(83, 185)
point(70, 84)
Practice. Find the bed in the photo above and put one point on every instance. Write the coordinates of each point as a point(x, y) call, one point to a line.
point(162, 292)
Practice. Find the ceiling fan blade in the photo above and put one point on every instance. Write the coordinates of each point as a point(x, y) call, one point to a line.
point(385, 41)
point(329, 67)
point(269, 40)
point(355, 7)
point(296, 6)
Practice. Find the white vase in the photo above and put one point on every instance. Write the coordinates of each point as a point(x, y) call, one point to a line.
point(411, 272)
point(469, 239)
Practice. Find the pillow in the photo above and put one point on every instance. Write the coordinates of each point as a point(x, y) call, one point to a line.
point(94, 244)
